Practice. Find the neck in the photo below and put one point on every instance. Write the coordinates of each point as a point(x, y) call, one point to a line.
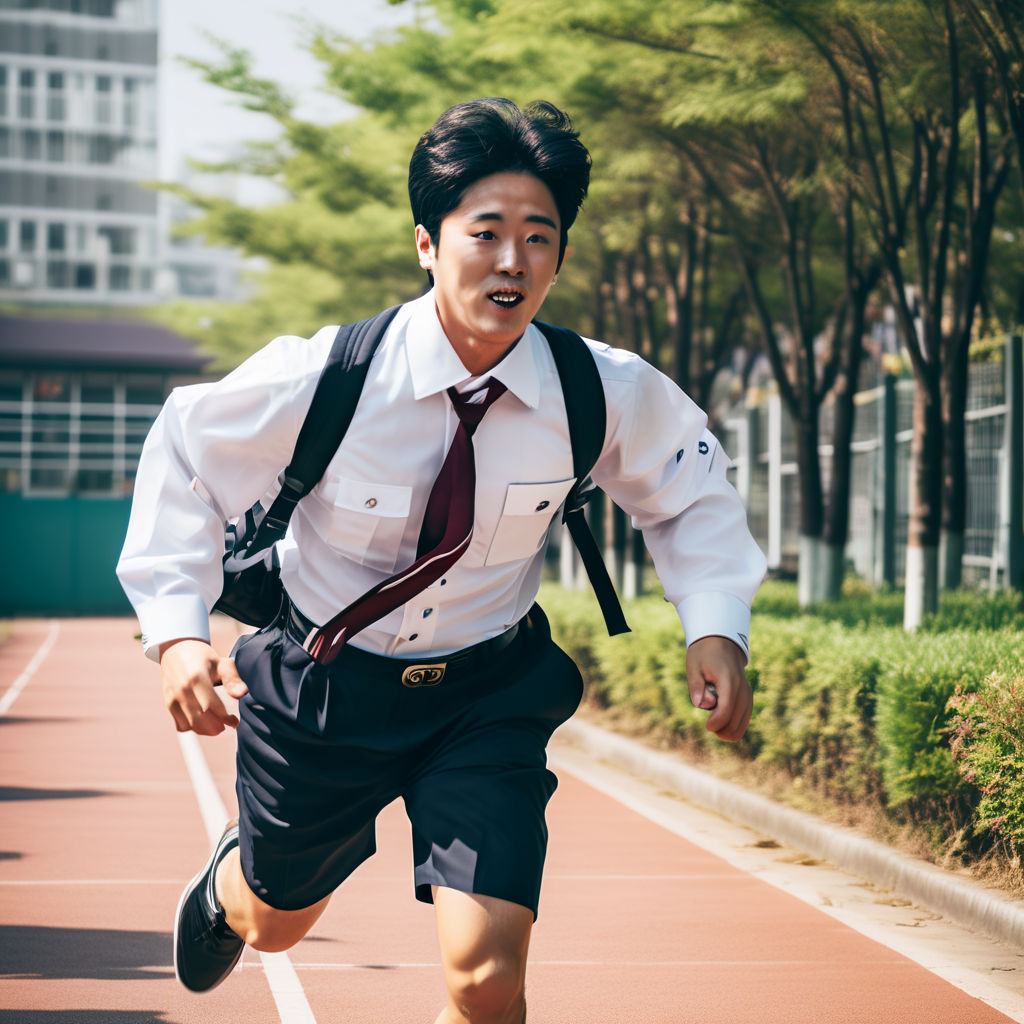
point(476, 355)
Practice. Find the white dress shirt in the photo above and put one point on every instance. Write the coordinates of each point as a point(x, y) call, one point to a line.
point(217, 448)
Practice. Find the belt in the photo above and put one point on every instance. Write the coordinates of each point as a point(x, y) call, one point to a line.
point(410, 672)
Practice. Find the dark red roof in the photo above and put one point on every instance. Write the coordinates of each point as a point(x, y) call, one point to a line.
point(124, 344)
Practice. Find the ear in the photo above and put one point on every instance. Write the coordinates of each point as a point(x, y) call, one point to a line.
point(424, 247)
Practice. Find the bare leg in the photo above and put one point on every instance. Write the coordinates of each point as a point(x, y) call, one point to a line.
point(484, 944)
point(261, 926)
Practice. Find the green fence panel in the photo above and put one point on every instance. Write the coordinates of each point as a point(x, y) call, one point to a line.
point(59, 555)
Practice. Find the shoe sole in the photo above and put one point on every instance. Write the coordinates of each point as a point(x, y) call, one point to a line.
point(189, 889)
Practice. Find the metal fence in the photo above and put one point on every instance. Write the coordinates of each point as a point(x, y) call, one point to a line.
point(760, 441)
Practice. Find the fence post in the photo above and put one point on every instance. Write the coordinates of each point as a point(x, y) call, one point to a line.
point(1014, 448)
point(566, 559)
point(774, 552)
point(885, 542)
point(743, 456)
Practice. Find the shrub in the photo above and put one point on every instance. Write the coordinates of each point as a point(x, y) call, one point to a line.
point(912, 720)
point(987, 745)
point(845, 701)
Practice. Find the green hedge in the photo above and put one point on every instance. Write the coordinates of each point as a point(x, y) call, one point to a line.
point(844, 699)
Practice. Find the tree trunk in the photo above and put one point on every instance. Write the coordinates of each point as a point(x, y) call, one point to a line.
point(922, 572)
point(837, 517)
point(954, 471)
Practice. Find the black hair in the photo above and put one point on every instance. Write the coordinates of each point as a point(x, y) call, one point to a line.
point(475, 139)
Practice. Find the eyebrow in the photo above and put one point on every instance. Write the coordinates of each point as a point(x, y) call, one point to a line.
point(534, 218)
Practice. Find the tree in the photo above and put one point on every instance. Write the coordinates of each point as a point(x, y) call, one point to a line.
point(700, 80)
point(912, 88)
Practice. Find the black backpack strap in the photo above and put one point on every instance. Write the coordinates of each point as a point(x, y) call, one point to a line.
point(586, 411)
point(330, 413)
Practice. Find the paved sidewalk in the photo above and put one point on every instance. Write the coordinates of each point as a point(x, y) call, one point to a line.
point(101, 824)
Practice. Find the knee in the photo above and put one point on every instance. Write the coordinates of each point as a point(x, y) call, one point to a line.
point(269, 930)
point(270, 933)
point(489, 991)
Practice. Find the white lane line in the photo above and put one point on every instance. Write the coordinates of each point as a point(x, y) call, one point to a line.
point(19, 684)
point(700, 964)
point(285, 987)
point(93, 881)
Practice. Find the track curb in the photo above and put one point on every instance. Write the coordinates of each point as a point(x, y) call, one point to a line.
point(931, 887)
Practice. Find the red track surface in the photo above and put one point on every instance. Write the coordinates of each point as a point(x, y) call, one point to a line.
point(100, 829)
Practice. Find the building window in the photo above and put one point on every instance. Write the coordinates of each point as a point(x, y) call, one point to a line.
point(50, 432)
point(31, 144)
point(4, 233)
point(27, 236)
point(3, 91)
point(130, 109)
point(120, 278)
point(5, 140)
point(120, 241)
point(55, 147)
point(104, 109)
point(85, 276)
point(56, 237)
point(26, 94)
point(11, 389)
point(58, 274)
point(56, 104)
point(5, 273)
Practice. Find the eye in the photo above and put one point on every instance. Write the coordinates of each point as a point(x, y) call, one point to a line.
point(543, 239)
point(485, 236)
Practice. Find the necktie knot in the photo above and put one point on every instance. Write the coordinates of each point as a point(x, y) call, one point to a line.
point(470, 413)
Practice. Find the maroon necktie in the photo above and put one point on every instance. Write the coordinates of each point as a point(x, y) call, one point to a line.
point(444, 537)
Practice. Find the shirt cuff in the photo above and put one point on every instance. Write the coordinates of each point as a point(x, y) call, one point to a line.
point(716, 613)
point(174, 617)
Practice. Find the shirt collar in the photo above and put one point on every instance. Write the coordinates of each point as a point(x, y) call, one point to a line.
point(434, 365)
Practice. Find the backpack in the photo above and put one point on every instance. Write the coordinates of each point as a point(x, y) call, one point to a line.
point(253, 592)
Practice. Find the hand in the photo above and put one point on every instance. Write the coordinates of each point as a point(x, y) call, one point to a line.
point(718, 683)
point(189, 670)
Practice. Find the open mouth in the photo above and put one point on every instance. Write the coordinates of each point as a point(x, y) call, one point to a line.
point(506, 300)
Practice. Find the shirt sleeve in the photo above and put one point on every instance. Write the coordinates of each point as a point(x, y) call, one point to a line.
point(663, 467)
point(214, 450)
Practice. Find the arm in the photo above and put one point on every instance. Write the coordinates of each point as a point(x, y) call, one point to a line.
point(213, 451)
point(663, 467)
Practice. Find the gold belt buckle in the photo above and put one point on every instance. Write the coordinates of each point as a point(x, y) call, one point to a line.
point(423, 675)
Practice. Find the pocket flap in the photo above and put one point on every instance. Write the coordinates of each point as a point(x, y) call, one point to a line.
point(388, 500)
point(536, 499)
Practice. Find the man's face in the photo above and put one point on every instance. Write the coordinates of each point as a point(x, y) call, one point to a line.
point(495, 259)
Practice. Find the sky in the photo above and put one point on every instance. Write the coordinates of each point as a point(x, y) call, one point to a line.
point(200, 121)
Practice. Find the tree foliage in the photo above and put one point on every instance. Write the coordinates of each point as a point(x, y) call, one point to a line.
point(760, 168)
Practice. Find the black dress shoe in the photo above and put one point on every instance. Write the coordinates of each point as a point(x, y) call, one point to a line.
point(205, 948)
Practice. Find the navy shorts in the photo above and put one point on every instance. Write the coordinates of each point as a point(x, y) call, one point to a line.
point(322, 750)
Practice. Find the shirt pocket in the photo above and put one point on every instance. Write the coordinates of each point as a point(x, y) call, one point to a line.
point(368, 521)
point(525, 518)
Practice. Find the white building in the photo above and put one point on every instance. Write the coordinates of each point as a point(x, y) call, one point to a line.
point(78, 137)
point(78, 132)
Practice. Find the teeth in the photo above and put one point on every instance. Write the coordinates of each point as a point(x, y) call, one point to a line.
point(506, 299)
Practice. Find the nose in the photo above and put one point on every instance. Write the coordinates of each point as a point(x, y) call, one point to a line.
point(511, 259)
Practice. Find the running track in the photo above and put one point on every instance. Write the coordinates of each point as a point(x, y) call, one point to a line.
point(105, 814)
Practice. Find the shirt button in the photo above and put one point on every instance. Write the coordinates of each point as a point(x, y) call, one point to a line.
point(543, 505)
point(427, 612)
point(415, 636)
point(443, 582)
point(371, 502)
